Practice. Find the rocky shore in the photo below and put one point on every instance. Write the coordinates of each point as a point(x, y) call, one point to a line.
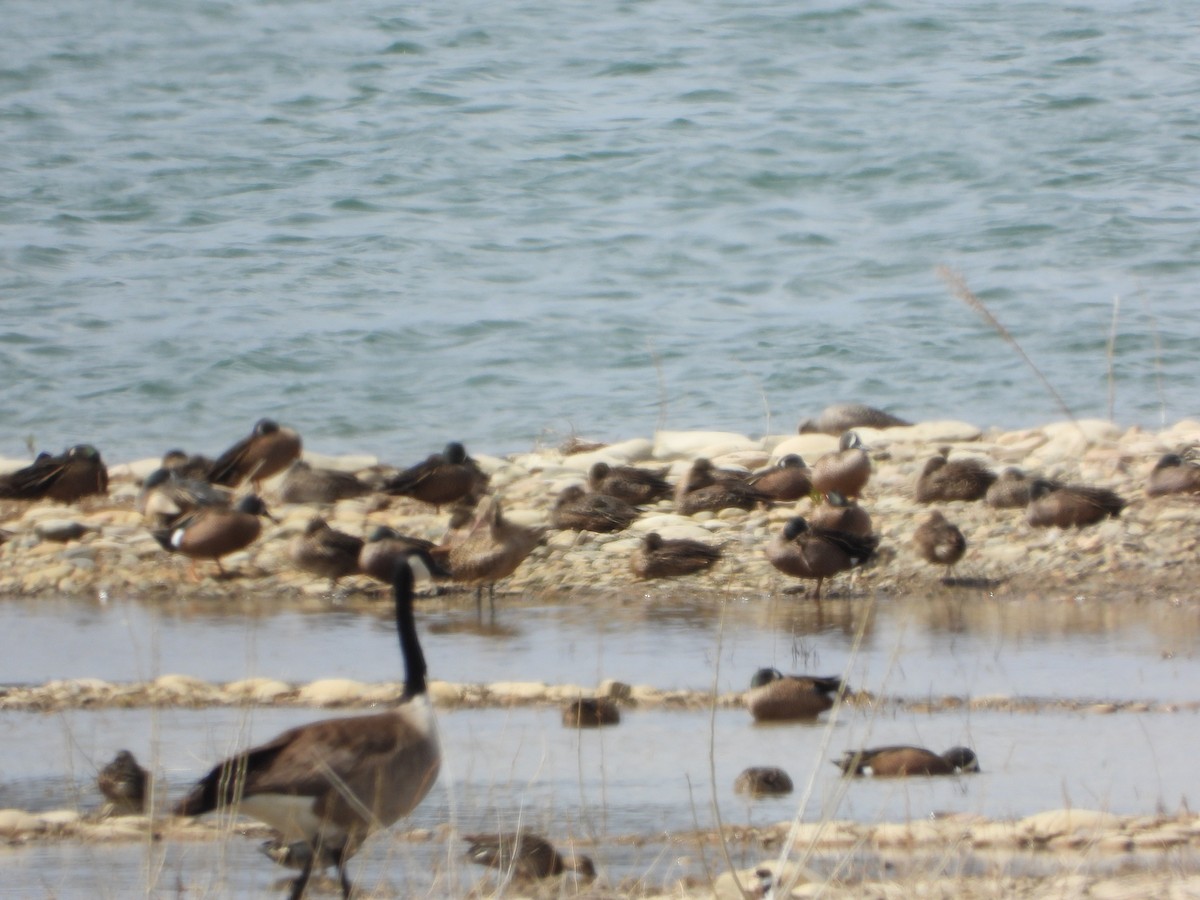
point(100, 546)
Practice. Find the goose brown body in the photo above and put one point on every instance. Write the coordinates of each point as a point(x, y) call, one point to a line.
point(266, 451)
point(331, 783)
point(657, 557)
point(76, 473)
point(901, 761)
point(845, 470)
point(805, 552)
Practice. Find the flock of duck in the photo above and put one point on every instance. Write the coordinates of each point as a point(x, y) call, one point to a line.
point(326, 786)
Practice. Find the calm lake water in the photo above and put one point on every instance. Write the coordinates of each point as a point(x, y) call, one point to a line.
point(391, 226)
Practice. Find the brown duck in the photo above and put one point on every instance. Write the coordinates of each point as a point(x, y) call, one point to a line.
point(525, 855)
point(1070, 506)
point(775, 697)
point(305, 483)
point(659, 558)
point(944, 480)
point(577, 510)
point(124, 785)
point(706, 488)
point(938, 541)
point(805, 552)
point(441, 479)
point(78, 472)
point(491, 550)
point(267, 450)
point(704, 474)
point(843, 417)
point(325, 551)
point(167, 496)
point(1010, 490)
point(632, 484)
point(591, 712)
point(763, 781)
point(785, 482)
point(187, 465)
point(212, 532)
point(901, 761)
point(384, 548)
point(1173, 474)
point(837, 513)
point(845, 470)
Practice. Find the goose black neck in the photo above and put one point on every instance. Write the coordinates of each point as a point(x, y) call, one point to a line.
point(406, 627)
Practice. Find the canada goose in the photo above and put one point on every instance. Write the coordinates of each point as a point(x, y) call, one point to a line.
point(442, 478)
point(1173, 474)
point(490, 551)
point(802, 551)
point(845, 470)
point(763, 781)
point(899, 761)
point(658, 558)
point(788, 480)
point(591, 712)
point(1069, 506)
point(212, 532)
point(124, 785)
point(775, 697)
point(332, 783)
point(526, 855)
point(842, 417)
point(167, 496)
point(836, 513)
point(938, 541)
point(1010, 490)
point(326, 551)
point(267, 450)
point(577, 510)
point(629, 483)
point(77, 472)
point(303, 483)
point(385, 547)
point(943, 479)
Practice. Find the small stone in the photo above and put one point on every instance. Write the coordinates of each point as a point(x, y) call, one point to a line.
point(61, 530)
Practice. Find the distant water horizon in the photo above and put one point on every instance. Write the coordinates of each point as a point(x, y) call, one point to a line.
point(392, 228)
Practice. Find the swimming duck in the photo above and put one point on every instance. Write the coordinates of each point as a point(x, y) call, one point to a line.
point(658, 558)
point(775, 697)
point(1173, 474)
point(441, 479)
point(632, 484)
point(526, 855)
point(836, 513)
point(845, 470)
point(1068, 506)
point(77, 472)
point(763, 781)
point(267, 450)
point(123, 783)
point(577, 510)
point(842, 417)
point(591, 712)
point(325, 551)
point(212, 532)
point(802, 551)
point(944, 479)
point(492, 549)
point(938, 541)
point(900, 761)
point(1010, 490)
point(304, 483)
point(384, 547)
point(167, 496)
point(787, 481)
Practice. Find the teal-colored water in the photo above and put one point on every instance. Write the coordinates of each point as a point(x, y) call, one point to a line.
point(389, 226)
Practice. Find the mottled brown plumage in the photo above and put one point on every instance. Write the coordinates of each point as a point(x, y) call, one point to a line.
point(836, 513)
point(788, 480)
point(577, 510)
point(266, 451)
point(525, 855)
point(1010, 490)
point(805, 552)
point(76, 473)
point(492, 549)
point(901, 761)
point(305, 483)
point(325, 551)
point(943, 480)
point(1070, 506)
point(187, 465)
point(441, 479)
point(591, 712)
point(167, 496)
point(763, 781)
point(632, 484)
point(125, 785)
point(845, 470)
point(843, 417)
point(775, 697)
point(939, 541)
point(704, 474)
point(659, 558)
